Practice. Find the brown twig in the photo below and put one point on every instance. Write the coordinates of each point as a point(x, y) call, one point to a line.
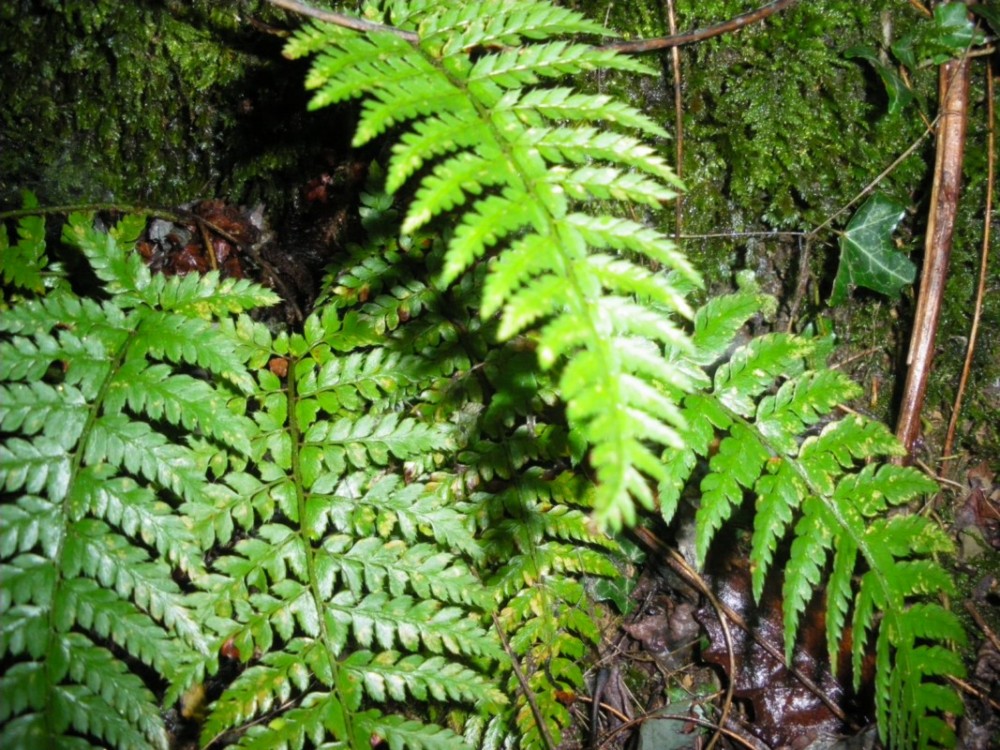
point(690, 37)
point(529, 696)
point(983, 625)
point(206, 238)
point(605, 707)
point(949, 441)
point(974, 691)
point(675, 64)
point(921, 8)
point(340, 19)
point(636, 46)
point(954, 93)
point(126, 208)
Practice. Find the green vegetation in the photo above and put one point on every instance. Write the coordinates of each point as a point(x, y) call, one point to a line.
point(387, 521)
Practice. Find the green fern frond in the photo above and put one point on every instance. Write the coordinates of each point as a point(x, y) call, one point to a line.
point(505, 178)
point(93, 539)
point(347, 564)
point(22, 263)
point(826, 493)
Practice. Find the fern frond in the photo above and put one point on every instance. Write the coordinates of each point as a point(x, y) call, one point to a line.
point(21, 264)
point(825, 492)
point(504, 177)
point(359, 565)
point(92, 493)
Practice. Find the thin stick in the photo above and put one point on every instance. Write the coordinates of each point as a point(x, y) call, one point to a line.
point(983, 625)
point(643, 45)
point(340, 19)
point(543, 728)
point(949, 441)
point(605, 707)
point(675, 64)
point(870, 187)
point(126, 208)
point(690, 37)
point(973, 690)
point(954, 88)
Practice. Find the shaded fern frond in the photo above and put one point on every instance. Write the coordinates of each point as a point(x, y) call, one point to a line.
point(95, 466)
point(767, 425)
point(492, 141)
point(354, 582)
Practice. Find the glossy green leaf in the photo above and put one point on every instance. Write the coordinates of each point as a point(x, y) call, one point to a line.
point(900, 95)
point(868, 257)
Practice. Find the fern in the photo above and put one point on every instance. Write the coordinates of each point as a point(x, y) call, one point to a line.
point(510, 159)
point(386, 518)
point(491, 141)
point(770, 409)
point(94, 403)
point(356, 583)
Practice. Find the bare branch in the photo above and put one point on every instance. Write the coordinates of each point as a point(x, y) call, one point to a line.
point(637, 46)
point(954, 85)
point(689, 37)
point(348, 22)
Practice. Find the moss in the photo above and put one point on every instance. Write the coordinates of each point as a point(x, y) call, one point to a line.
point(781, 129)
point(148, 102)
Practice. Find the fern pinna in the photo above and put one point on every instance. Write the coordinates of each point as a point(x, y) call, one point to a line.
point(107, 440)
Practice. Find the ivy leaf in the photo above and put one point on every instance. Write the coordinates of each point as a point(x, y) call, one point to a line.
point(899, 93)
point(867, 257)
point(949, 34)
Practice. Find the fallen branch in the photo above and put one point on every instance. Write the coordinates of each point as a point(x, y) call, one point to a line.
point(970, 351)
point(341, 19)
point(690, 37)
point(954, 93)
point(635, 46)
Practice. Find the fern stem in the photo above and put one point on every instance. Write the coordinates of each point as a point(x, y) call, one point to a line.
point(318, 600)
point(529, 696)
